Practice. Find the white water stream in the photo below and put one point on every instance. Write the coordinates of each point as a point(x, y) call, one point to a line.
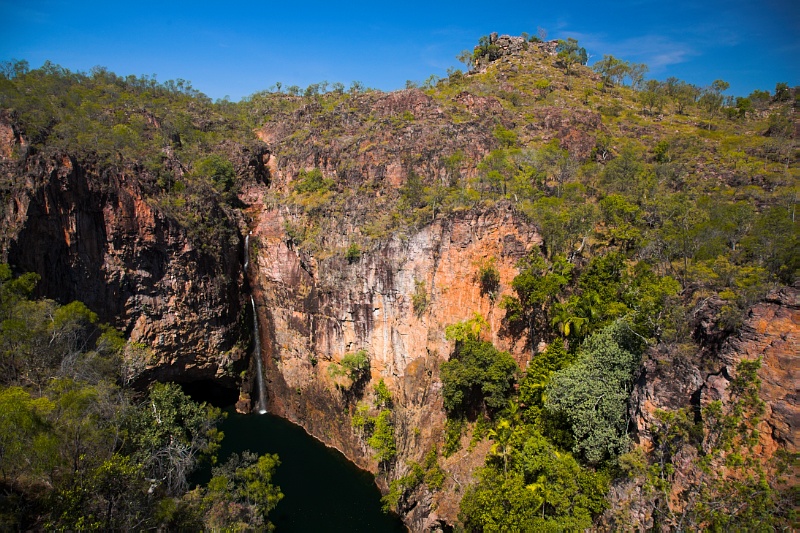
point(246, 253)
point(262, 393)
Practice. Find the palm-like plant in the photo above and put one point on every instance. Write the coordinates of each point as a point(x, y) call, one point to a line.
point(502, 447)
point(566, 319)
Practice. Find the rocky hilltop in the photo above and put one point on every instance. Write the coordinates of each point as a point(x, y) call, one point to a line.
point(537, 201)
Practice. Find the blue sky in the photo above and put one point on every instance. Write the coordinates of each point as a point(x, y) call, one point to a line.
point(237, 48)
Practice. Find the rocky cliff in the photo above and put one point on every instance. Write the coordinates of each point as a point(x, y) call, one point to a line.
point(770, 333)
point(369, 216)
point(315, 311)
point(95, 236)
point(670, 380)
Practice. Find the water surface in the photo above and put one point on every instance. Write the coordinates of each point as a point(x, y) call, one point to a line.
point(323, 491)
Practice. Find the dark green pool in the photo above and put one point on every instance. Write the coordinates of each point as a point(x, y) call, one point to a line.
point(323, 491)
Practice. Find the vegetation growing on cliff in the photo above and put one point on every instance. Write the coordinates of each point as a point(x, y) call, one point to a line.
point(656, 201)
point(81, 451)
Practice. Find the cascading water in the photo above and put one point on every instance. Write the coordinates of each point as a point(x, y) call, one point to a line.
point(246, 252)
point(262, 393)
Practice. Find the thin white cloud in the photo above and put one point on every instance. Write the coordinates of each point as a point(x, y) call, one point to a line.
point(657, 51)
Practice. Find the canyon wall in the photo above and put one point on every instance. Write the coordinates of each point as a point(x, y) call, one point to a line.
point(315, 311)
point(672, 379)
point(102, 237)
point(97, 238)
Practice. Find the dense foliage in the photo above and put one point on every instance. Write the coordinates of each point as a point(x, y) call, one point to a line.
point(81, 451)
point(655, 200)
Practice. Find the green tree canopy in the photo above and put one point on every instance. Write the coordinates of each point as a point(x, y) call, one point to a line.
point(477, 377)
point(593, 393)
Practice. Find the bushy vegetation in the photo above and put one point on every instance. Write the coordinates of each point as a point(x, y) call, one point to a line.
point(477, 378)
point(377, 430)
point(351, 371)
point(489, 278)
point(653, 198)
point(81, 451)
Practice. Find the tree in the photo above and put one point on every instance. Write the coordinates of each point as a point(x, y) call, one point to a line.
point(489, 278)
point(118, 482)
point(241, 494)
point(498, 503)
point(382, 439)
point(593, 393)
point(711, 97)
point(477, 377)
point(612, 70)
point(542, 489)
point(536, 287)
point(486, 48)
point(621, 218)
point(562, 222)
point(420, 298)
point(466, 57)
point(354, 367)
point(502, 447)
point(774, 242)
point(169, 434)
point(683, 95)
point(636, 72)
point(218, 169)
point(652, 302)
point(626, 174)
point(537, 375)
point(356, 87)
point(682, 229)
point(24, 432)
point(782, 92)
point(496, 169)
point(567, 320)
point(507, 138)
point(652, 96)
point(569, 53)
point(312, 182)
point(383, 397)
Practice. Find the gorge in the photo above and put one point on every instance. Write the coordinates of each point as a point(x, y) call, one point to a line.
point(381, 238)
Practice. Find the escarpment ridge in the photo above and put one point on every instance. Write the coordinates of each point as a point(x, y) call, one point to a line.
point(445, 276)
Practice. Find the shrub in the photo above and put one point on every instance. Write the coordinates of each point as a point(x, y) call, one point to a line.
point(383, 397)
point(382, 439)
point(489, 279)
point(453, 429)
point(354, 367)
point(218, 169)
point(419, 300)
point(353, 253)
point(477, 377)
point(312, 181)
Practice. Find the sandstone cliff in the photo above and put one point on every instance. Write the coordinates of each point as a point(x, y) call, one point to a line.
point(95, 236)
point(671, 380)
point(314, 311)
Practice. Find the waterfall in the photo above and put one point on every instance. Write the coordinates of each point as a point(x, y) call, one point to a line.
point(246, 252)
point(262, 393)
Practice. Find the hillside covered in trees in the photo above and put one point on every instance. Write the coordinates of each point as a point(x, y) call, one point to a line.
point(534, 296)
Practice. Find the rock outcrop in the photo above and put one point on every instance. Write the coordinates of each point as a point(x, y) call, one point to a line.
point(770, 333)
point(97, 238)
point(314, 311)
point(671, 380)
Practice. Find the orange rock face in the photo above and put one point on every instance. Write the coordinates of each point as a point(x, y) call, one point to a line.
point(772, 333)
point(313, 312)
